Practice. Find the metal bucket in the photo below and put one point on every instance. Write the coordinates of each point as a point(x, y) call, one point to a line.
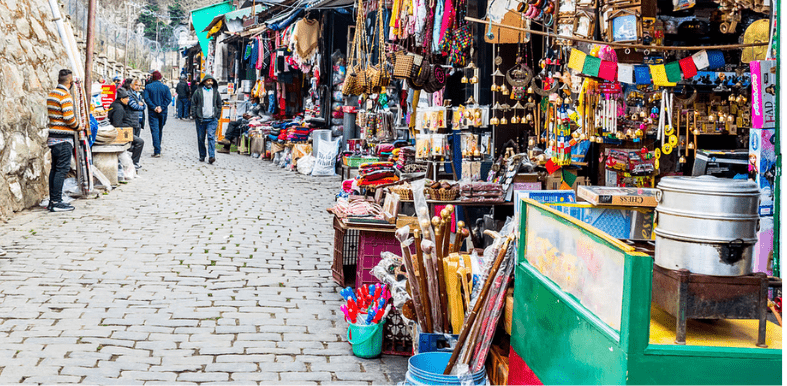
point(707, 225)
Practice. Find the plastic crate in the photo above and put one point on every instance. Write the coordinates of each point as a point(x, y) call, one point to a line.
point(430, 342)
point(370, 245)
point(356, 161)
point(345, 255)
point(396, 335)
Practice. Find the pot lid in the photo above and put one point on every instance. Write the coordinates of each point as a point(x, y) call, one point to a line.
point(709, 184)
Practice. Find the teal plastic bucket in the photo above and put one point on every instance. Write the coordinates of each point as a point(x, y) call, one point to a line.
point(367, 341)
point(427, 369)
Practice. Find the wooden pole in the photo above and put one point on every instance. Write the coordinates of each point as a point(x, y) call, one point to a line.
point(89, 46)
point(621, 45)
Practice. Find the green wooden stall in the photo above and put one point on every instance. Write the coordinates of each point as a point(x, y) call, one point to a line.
point(583, 315)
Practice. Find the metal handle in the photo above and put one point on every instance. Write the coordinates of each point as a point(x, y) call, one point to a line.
point(659, 195)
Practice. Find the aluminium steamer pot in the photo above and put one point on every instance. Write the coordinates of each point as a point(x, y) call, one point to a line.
point(707, 225)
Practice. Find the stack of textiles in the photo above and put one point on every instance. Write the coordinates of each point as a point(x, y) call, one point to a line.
point(481, 192)
point(405, 156)
point(297, 133)
point(376, 174)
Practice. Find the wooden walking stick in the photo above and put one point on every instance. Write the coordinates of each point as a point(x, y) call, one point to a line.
point(422, 277)
point(457, 239)
point(434, 289)
point(446, 215)
point(441, 273)
point(470, 320)
point(402, 234)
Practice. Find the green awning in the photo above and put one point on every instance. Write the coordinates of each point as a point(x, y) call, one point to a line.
point(200, 18)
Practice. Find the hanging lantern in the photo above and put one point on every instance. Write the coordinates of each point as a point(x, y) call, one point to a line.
point(682, 159)
point(530, 91)
point(494, 121)
point(503, 121)
point(515, 119)
point(474, 79)
point(494, 87)
point(690, 146)
point(464, 78)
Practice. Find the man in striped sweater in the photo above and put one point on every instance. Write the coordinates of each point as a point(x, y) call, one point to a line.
point(62, 125)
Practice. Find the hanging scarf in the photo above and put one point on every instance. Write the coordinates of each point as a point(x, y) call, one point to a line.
point(435, 26)
point(448, 19)
point(258, 65)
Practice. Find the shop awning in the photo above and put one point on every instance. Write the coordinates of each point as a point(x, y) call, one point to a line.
point(231, 21)
point(200, 18)
point(325, 4)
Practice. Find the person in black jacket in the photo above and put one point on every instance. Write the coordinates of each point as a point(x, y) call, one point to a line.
point(206, 105)
point(184, 93)
point(119, 116)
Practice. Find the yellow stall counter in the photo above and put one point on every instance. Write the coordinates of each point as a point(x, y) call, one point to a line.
point(716, 333)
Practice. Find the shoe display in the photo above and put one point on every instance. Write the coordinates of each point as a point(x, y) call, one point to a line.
point(60, 207)
point(211, 160)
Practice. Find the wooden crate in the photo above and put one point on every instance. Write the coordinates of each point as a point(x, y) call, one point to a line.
point(497, 365)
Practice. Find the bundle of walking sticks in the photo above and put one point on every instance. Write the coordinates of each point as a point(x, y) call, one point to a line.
point(439, 277)
point(440, 284)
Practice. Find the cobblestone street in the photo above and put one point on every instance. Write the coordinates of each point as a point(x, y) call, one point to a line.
point(191, 273)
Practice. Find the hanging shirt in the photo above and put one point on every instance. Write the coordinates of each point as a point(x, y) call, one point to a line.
point(207, 102)
point(437, 20)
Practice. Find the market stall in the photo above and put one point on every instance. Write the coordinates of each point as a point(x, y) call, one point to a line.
point(593, 300)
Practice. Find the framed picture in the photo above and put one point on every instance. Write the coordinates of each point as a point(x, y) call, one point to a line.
point(391, 207)
point(584, 24)
point(624, 26)
point(568, 6)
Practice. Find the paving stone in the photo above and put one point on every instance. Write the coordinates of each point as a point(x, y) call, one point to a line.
point(197, 267)
point(203, 377)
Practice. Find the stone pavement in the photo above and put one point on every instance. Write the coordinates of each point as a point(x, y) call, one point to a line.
point(192, 273)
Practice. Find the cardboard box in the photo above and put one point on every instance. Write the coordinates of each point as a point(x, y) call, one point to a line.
point(603, 195)
point(619, 222)
point(762, 166)
point(555, 180)
point(125, 135)
point(763, 94)
point(543, 196)
point(762, 259)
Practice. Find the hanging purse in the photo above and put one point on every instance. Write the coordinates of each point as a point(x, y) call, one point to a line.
point(378, 74)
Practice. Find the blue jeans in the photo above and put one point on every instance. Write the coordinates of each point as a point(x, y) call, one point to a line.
point(157, 122)
point(183, 108)
point(207, 127)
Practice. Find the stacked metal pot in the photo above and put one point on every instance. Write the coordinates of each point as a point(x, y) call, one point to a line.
point(707, 225)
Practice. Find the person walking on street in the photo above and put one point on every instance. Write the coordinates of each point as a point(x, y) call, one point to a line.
point(116, 82)
point(184, 93)
point(63, 124)
point(158, 97)
point(206, 104)
point(134, 110)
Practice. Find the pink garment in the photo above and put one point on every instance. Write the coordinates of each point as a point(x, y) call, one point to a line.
point(448, 18)
point(260, 53)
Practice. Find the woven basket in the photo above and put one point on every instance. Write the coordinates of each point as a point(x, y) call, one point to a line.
point(442, 194)
point(404, 193)
point(403, 65)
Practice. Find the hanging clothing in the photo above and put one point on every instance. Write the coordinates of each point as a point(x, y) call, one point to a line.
point(448, 19)
point(258, 64)
point(437, 20)
point(307, 38)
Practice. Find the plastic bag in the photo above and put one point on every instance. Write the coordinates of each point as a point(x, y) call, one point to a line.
point(325, 164)
point(306, 164)
point(387, 271)
point(129, 171)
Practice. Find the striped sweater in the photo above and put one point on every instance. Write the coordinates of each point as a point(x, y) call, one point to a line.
point(60, 108)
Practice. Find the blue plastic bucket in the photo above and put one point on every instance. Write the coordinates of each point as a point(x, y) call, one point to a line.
point(427, 369)
point(367, 341)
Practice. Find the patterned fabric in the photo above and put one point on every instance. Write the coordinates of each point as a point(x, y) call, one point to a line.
point(60, 108)
point(659, 75)
point(642, 74)
point(673, 71)
point(688, 67)
point(577, 60)
point(608, 70)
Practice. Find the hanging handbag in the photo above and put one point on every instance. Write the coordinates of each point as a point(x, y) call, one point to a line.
point(379, 78)
point(403, 64)
point(437, 78)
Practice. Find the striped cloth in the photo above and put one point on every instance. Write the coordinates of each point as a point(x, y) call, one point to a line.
point(60, 108)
